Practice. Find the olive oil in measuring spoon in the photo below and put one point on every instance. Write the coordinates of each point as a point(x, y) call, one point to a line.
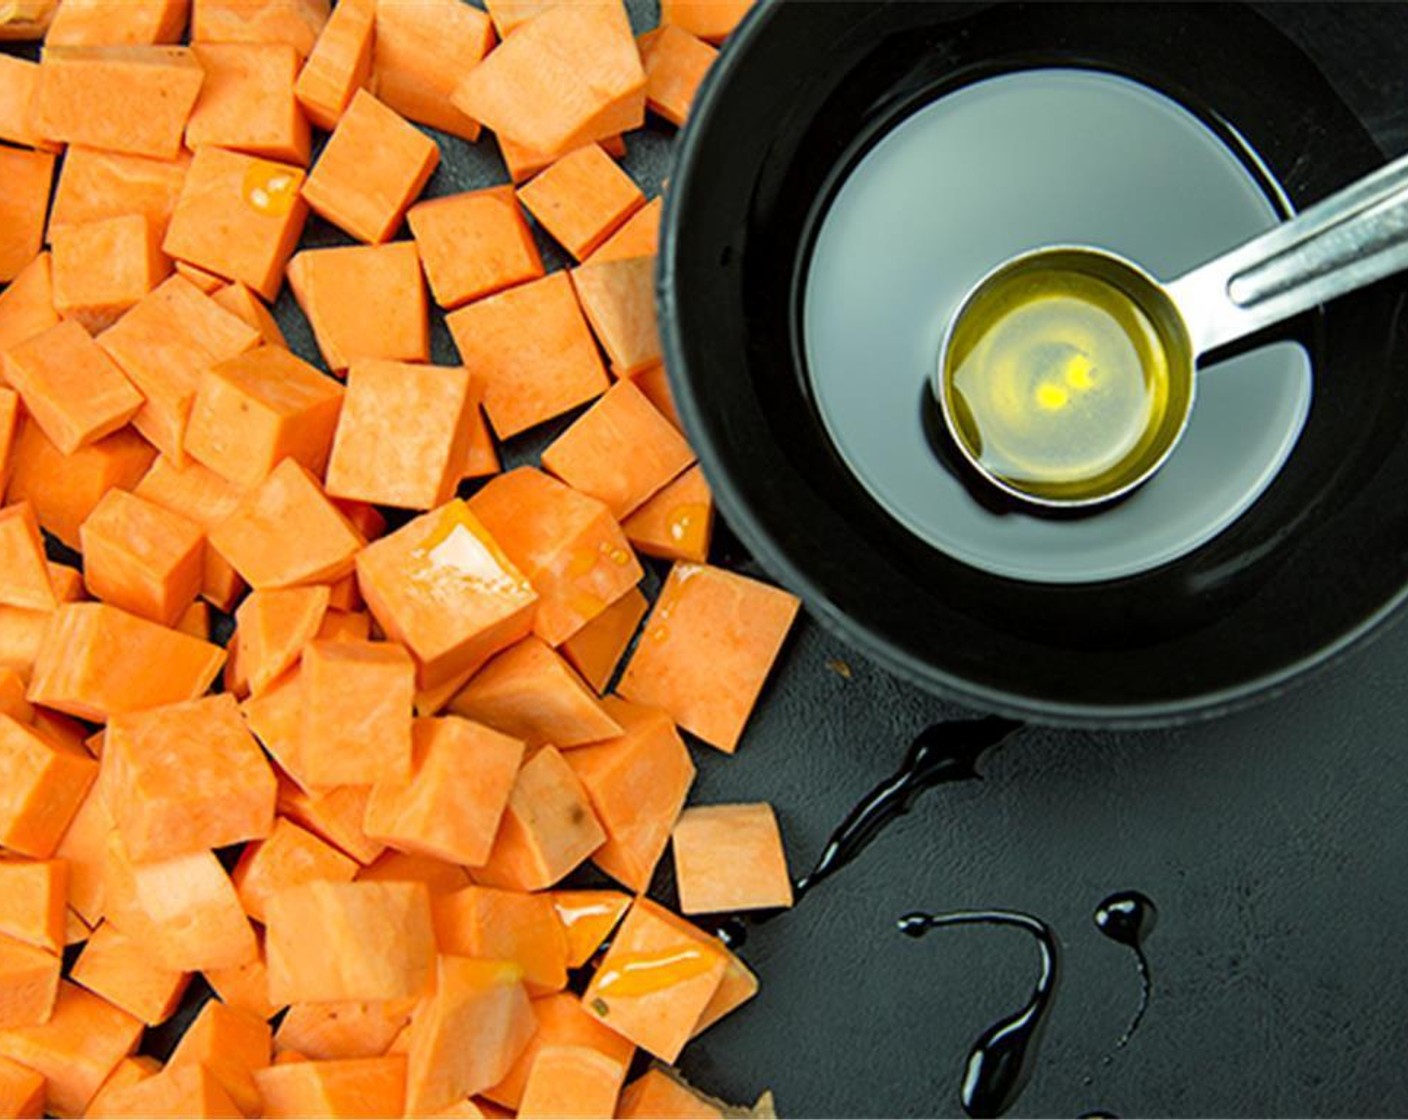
point(1058, 382)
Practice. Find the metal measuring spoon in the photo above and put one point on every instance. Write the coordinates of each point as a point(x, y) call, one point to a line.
point(1345, 242)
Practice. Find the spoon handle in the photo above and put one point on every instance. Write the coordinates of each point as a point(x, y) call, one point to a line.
point(1342, 243)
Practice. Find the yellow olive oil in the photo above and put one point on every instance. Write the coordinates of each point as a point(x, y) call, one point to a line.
point(1058, 382)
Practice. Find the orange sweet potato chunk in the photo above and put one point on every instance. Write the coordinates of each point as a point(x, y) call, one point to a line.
point(353, 1029)
point(403, 434)
point(41, 789)
point(656, 979)
point(567, 544)
point(335, 814)
point(70, 387)
point(363, 301)
point(438, 876)
point(356, 719)
point(238, 216)
point(443, 588)
point(548, 829)
point(187, 777)
point(32, 901)
point(24, 572)
point(290, 855)
point(502, 925)
point(83, 849)
point(142, 557)
point(231, 1044)
point(25, 177)
point(256, 541)
point(531, 693)
point(473, 244)
point(247, 102)
point(535, 351)
point(273, 626)
point(620, 451)
point(639, 237)
point(467, 1036)
point(191, 1092)
point(707, 650)
point(76, 1049)
point(657, 1095)
point(618, 297)
point(239, 301)
point(561, 1022)
point(582, 199)
point(572, 1081)
point(200, 494)
point(730, 857)
point(133, 99)
point(29, 984)
point(346, 1087)
point(422, 51)
point(677, 522)
point(566, 77)
point(340, 64)
point(372, 169)
point(711, 20)
point(254, 410)
point(297, 22)
point(19, 79)
point(95, 183)
point(637, 783)
point(27, 304)
point(102, 268)
point(451, 805)
point(21, 1090)
point(99, 23)
point(675, 63)
point(350, 941)
point(245, 986)
point(597, 648)
point(129, 976)
point(96, 662)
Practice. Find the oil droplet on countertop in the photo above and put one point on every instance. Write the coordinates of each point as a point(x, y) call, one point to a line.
point(1128, 917)
point(271, 189)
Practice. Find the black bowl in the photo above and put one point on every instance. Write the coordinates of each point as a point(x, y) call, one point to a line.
point(1319, 561)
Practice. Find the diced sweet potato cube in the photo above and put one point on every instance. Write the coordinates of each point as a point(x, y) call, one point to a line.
point(467, 1036)
point(402, 436)
point(12, 701)
point(9, 429)
point(738, 986)
point(588, 917)
point(354, 1029)
point(70, 387)
point(438, 876)
point(22, 633)
point(597, 648)
point(675, 63)
point(507, 926)
point(620, 451)
point(357, 704)
point(102, 268)
point(128, 975)
point(32, 901)
point(372, 169)
point(84, 852)
point(96, 661)
point(231, 1044)
point(568, 545)
point(531, 693)
point(41, 788)
point(24, 572)
point(76, 1049)
point(238, 216)
point(548, 828)
point(712, 20)
point(656, 1095)
point(535, 351)
point(255, 410)
point(343, 1087)
point(142, 558)
point(247, 101)
point(192, 1092)
point(184, 909)
point(639, 237)
point(451, 806)
point(133, 99)
point(730, 857)
point(473, 244)
point(187, 777)
point(21, 1090)
point(256, 541)
point(259, 21)
point(442, 587)
point(107, 22)
point(237, 299)
point(422, 51)
point(29, 984)
point(95, 183)
point(163, 344)
point(341, 941)
point(572, 1081)
point(273, 627)
point(582, 199)
point(290, 855)
point(363, 301)
point(566, 77)
point(26, 20)
point(677, 522)
point(340, 63)
point(19, 80)
point(637, 783)
point(618, 297)
point(740, 622)
point(27, 304)
point(200, 494)
point(655, 980)
point(336, 815)
point(245, 986)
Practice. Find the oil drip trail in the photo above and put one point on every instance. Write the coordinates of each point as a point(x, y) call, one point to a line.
point(945, 752)
point(1000, 1062)
point(1128, 917)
